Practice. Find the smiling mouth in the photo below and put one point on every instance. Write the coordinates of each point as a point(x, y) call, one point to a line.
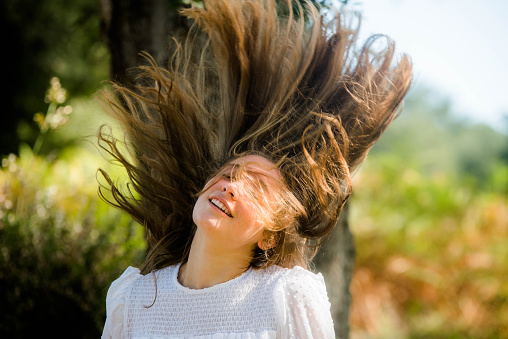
point(221, 206)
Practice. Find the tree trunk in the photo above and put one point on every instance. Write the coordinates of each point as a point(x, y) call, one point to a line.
point(133, 26)
point(336, 262)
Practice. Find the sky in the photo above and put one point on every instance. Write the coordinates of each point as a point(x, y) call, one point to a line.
point(459, 49)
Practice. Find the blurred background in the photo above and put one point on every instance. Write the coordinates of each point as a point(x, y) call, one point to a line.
point(429, 211)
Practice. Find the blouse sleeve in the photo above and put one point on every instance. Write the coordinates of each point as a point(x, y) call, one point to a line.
point(115, 301)
point(304, 309)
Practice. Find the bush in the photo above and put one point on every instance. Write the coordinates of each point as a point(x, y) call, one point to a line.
point(60, 246)
point(432, 253)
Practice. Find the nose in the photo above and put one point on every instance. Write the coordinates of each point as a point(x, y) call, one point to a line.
point(229, 190)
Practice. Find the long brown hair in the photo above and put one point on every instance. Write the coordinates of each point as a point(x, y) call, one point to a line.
point(248, 79)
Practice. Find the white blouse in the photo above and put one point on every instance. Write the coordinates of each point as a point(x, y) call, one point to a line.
point(260, 304)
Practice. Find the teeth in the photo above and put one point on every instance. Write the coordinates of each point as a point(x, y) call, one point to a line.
point(221, 206)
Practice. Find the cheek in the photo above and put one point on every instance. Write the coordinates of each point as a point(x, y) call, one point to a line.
point(195, 216)
point(198, 209)
point(252, 216)
point(260, 213)
point(194, 212)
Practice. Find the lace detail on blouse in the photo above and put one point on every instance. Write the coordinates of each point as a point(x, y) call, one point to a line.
point(260, 304)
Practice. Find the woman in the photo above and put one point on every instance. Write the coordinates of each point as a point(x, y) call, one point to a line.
point(240, 156)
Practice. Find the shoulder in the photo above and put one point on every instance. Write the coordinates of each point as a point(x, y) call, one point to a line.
point(272, 273)
point(300, 280)
point(121, 284)
point(306, 290)
point(303, 305)
point(118, 295)
point(295, 279)
point(115, 302)
point(295, 286)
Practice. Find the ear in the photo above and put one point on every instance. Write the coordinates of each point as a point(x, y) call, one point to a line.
point(269, 241)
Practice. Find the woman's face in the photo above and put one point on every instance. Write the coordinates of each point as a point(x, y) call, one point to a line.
point(228, 211)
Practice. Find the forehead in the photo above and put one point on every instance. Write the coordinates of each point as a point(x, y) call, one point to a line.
point(259, 164)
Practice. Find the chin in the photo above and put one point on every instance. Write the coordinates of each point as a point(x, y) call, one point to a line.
point(206, 221)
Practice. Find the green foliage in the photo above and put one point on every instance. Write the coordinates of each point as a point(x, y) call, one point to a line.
point(430, 135)
point(47, 38)
point(60, 246)
point(429, 213)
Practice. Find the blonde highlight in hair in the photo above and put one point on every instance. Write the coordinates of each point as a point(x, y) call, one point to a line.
point(247, 79)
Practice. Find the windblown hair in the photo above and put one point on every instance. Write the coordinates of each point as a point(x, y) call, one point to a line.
point(247, 79)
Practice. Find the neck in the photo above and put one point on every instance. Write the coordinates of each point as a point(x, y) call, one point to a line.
point(209, 265)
